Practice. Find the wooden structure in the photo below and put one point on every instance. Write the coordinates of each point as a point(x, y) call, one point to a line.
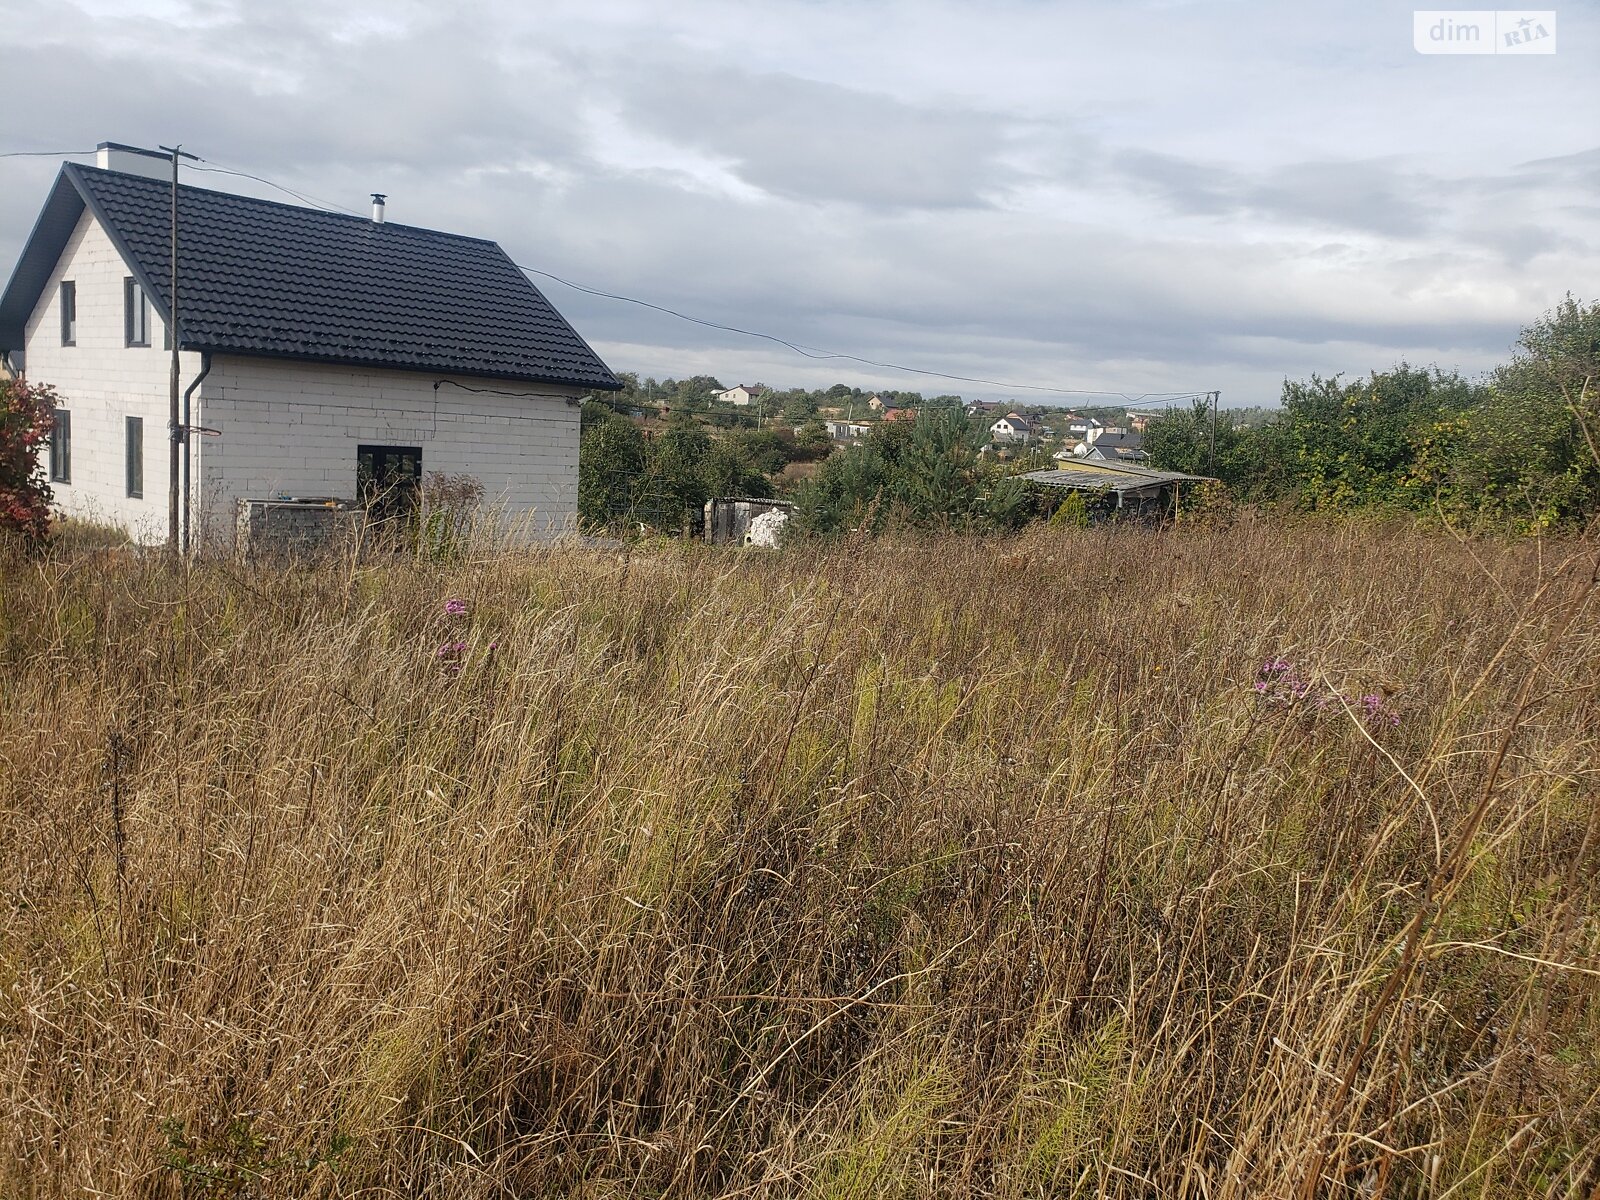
point(1118, 487)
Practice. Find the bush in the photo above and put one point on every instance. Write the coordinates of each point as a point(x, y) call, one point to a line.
point(921, 474)
point(27, 416)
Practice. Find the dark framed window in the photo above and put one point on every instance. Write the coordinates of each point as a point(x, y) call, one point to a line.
point(387, 479)
point(69, 313)
point(61, 448)
point(135, 314)
point(135, 457)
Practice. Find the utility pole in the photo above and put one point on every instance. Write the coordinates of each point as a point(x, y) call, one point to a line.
point(1212, 466)
point(175, 431)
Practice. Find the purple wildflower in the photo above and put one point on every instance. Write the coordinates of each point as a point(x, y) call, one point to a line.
point(1279, 683)
point(455, 608)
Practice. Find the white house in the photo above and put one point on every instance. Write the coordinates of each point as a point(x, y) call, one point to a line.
point(1011, 428)
point(1107, 445)
point(845, 431)
point(1116, 445)
point(743, 394)
point(319, 355)
point(1081, 429)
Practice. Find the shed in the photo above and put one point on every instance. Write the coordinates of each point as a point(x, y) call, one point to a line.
point(728, 518)
point(1127, 487)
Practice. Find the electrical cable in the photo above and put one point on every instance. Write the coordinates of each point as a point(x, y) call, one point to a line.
point(817, 353)
point(217, 168)
point(814, 353)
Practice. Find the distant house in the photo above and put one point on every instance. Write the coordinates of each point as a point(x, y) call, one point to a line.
point(1118, 446)
point(894, 412)
point(984, 408)
point(845, 431)
point(1011, 429)
point(321, 355)
point(1139, 421)
point(1079, 429)
point(877, 403)
point(742, 395)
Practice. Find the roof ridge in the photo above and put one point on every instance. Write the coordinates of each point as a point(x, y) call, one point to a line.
point(284, 204)
point(282, 280)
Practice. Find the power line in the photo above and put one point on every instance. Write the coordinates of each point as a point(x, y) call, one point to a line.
point(217, 168)
point(812, 352)
point(815, 353)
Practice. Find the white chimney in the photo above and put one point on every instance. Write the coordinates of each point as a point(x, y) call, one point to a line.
point(377, 207)
point(131, 160)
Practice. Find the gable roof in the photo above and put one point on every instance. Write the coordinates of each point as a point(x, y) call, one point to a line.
point(277, 280)
point(1119, 441)
point(1115, 453)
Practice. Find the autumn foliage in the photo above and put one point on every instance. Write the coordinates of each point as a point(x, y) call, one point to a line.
point(27, 415)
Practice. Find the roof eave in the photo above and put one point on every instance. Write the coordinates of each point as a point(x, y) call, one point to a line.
point(445, 369)
point(616, 384)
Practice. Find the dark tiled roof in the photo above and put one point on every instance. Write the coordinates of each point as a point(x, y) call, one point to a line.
point(1116, 454)
point(262, 278)
point(1119, 441)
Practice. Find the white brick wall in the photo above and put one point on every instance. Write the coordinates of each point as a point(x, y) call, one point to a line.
point(100, 382)
point(286, 427)
point(292, 428)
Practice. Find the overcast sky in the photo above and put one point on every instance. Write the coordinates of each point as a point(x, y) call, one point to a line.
point(1139, 197)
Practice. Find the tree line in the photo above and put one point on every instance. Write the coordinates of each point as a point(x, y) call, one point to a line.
point(1516, 449)
point(1519, 448)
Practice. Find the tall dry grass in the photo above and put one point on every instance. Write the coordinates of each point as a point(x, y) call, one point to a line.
point(943, 868)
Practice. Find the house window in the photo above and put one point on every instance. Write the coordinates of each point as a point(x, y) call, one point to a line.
point(135, 314)
point(387, 478)
point(135, 457)
point(61, 448)
point(69, 313)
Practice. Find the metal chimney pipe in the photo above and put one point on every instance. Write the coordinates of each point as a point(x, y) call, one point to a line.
point(377, 207)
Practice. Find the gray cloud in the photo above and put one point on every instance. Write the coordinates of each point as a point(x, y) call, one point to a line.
point(805, 140)
point(1031, 192)
point(1367, 196)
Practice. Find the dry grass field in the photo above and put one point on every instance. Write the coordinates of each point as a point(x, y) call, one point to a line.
point(1259, 860)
